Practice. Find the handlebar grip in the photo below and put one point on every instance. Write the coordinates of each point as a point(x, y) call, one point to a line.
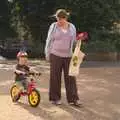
point(32, 73)
point(38, 74)
point(35, 74)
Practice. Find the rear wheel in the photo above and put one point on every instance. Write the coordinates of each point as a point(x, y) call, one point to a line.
point(14, 91)
point(34, 98)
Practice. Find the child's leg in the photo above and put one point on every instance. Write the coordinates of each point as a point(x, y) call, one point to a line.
point(19, 85)
point(18, 91)
point(25, 84)
point(20, 82)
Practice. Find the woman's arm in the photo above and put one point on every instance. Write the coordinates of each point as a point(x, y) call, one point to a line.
point(74, 32)
point(48, 40)
point(73, 43)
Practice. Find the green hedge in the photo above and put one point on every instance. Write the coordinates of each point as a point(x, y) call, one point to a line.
point(102, 41)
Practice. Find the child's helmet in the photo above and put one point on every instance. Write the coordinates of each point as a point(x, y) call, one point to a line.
point(22, 54)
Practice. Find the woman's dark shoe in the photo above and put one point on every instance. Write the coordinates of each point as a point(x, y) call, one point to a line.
point(58, 102)
point(76, 103)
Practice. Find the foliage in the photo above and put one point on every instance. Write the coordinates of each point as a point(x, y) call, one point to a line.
point(30, 19)
point(5, 29)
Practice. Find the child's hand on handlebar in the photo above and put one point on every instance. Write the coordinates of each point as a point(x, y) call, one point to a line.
point(35, 73)
point(24, 73)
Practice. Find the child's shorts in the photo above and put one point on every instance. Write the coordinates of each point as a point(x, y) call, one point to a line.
point(22, 84)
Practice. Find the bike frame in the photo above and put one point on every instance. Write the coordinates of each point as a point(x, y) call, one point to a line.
point(31, 86)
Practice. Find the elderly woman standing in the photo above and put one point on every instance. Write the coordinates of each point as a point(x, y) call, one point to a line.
point(58, 50)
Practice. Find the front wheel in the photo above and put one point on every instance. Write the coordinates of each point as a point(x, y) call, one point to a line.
point(34, 98)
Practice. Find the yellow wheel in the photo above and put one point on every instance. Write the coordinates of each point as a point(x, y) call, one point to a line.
point(34, 98)
point(14, 91)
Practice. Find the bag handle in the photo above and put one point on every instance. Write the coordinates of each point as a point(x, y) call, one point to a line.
point(78, 45)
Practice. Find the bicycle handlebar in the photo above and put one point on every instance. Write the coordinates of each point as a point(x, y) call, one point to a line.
point(33, 74)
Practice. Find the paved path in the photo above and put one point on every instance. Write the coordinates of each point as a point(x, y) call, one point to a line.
point(98, 85)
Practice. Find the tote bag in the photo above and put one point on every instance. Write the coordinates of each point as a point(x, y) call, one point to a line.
point(76, 60)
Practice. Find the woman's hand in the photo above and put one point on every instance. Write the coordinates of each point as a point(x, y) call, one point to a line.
point(47, 58)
